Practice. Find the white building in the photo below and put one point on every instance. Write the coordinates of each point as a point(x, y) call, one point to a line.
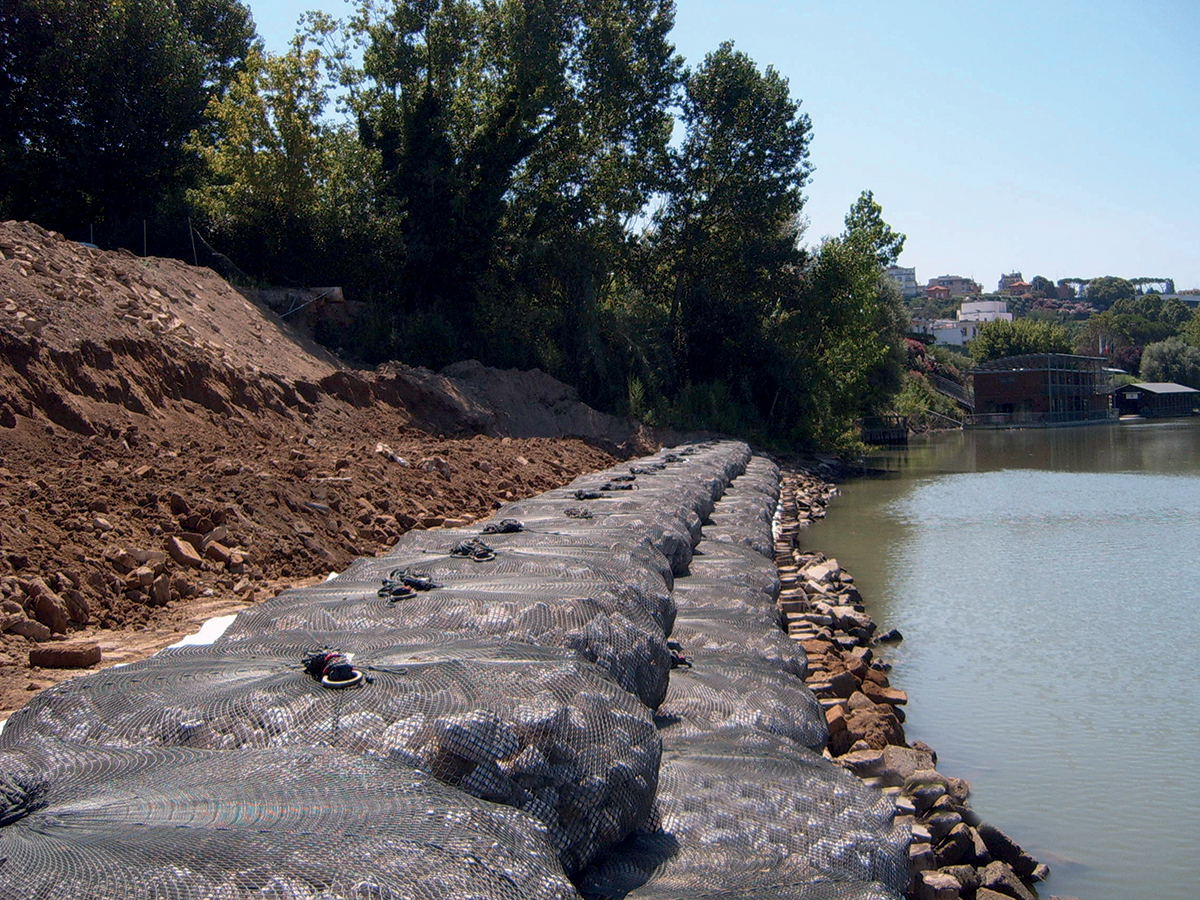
point(972, 314)
point(984, 311)
point(905, 279)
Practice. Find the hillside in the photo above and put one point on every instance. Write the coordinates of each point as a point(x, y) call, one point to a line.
point(171, 451)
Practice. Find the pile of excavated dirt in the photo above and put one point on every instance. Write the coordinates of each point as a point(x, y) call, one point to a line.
point(170, 451)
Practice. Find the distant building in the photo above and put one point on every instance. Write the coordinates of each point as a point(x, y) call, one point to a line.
point(1155, 399)
point(905, 279)
point(1018, 288)
point(1006, 282)
point(1041, 389)
point(956, 285)
point(971, 315)
point(984, 311)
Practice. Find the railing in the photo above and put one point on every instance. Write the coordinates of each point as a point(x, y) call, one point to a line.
point(953, 390)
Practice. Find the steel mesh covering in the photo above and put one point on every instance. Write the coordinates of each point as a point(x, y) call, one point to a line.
point(730, 693)
point(515, 725)
point(749, 815)
point(618, 636)
point(709, 632)
point(739, 566)
point(281, 824)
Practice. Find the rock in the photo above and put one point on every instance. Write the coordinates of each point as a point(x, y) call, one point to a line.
point(878, 726)
point(218, 552)
point(935, 885)
point(858, 700)
point(140, 577)
point(183, 587)
point(999, 877)
point(1005, 849)
point(77, 607)
point(160, 590)
point(835, 719)
point(920, 857)
point(31, 629)
point(842, 685)
point(967, 876)
point(956, 846)
point(195, 538)
point(925, 795)
point(902, 762)
point(863, 763)
point(890, 695)
point(51, 611)
point(183, 553)
point(65, 655)
point(1041, 873)
point(941, 823)
point(891, 636)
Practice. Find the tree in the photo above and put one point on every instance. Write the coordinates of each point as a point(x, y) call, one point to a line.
point(1103, 292)
point(1190, 331)
point(284, 186)
point(99, 99)
point(727, 236)
point(1172, 360)
point(1043, 287)
point(516, 140)
point(865, 223)
point(998, 339)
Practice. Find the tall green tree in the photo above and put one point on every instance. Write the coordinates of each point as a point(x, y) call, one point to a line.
point(285, 186)
point(864, 223)
point(1105, 291)
point(1172, 360)
point(727, 237)
point(99, 98)
point(516, 138)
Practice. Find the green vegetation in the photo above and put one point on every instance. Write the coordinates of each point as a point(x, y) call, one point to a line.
point(1172, 360)
point(998, 339)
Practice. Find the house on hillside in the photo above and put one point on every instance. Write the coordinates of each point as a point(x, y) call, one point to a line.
point(955, 285)
point(1157, 399)
point(1041, 389)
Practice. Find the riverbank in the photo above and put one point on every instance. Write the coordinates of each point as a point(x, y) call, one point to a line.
point(953, 854)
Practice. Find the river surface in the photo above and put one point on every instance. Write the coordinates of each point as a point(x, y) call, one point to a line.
point(1047, 583)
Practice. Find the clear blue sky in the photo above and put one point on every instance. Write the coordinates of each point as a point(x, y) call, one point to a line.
point(1059, 138)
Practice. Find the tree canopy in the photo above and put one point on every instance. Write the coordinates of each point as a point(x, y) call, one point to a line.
point(998, 339)
point(1172, 360)
point(100, 98)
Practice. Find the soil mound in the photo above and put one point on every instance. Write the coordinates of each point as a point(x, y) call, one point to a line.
point(170, 450)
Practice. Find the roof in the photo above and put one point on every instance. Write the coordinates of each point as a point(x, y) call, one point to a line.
point(1038, 361)
point(1163, 387)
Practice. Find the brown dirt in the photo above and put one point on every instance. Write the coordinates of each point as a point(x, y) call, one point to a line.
point(145, 402)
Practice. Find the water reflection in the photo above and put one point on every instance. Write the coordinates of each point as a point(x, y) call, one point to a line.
point(1169, 447)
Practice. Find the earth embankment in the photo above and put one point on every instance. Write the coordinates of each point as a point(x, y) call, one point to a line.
point(170, 450)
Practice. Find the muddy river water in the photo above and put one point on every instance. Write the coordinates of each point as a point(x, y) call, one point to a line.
point(1047, 583)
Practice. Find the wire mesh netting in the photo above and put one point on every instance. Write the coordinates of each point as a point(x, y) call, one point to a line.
point(718, 632)
point(514, 725)
point(750, 815)
point(716, 694)
point(282, 824)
